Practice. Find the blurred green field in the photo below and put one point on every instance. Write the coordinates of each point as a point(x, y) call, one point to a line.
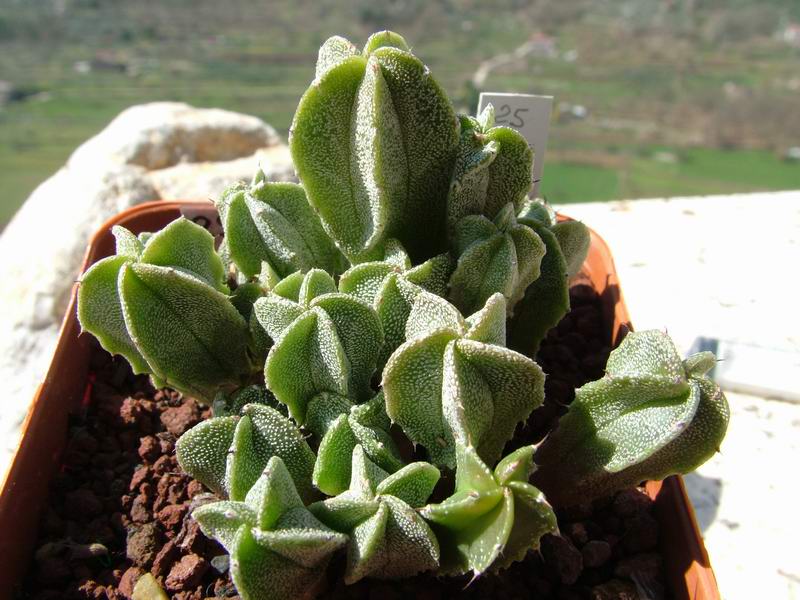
point(681, 98)
point(697, 171)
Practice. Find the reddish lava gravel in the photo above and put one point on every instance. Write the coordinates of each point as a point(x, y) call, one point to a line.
point(120, 505)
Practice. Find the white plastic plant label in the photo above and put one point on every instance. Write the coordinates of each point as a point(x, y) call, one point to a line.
point(530, 115)
point(205, 215)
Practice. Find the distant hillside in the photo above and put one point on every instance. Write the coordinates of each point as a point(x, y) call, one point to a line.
point(655, 98)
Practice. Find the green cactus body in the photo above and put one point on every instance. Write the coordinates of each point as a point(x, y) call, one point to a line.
point(573, 241)
point(163, 305)
point(227, 454)
point(494, 517)
point(388, 539)
point(244, 296)
point(278, 549)
point(573, 237)
point(341, 426)
point(454, 380)
point(546, 300)
point(390, 286)
point(499, 256)
point(325, 341)
point(493, 169)
point(273, 223)
point(372, 167)
point(651, 416)
point(227, 404)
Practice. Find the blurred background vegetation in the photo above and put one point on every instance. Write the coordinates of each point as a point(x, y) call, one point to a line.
point(654, 97)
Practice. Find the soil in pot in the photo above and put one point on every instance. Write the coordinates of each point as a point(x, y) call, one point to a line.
point(120, 504)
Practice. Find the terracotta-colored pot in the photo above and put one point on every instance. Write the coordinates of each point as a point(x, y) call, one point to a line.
point(24, 491)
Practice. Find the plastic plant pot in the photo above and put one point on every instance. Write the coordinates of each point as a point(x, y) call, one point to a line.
point(67, 386)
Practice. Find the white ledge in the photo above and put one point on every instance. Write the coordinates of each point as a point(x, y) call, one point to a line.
point(725, 267)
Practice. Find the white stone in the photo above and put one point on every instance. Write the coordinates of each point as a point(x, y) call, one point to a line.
point(154, 151)
point(163, 134)
point(194, 181)
point(40, 252)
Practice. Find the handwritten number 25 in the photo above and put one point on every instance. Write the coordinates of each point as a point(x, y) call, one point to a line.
point(501, 117)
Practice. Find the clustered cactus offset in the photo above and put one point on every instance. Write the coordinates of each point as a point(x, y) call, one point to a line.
point(389, 306)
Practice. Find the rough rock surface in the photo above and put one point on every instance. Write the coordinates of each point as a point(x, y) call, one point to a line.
point(163, 134)
point(207, 179)
point(162, 150)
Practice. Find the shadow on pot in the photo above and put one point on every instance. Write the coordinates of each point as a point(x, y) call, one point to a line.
point(705, 493)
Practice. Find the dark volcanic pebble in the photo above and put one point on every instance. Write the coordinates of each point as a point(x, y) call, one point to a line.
point(645, 567)
point(165, 558)
point(577, 533)
point(171, 515)
point(117, 488)
point(562, 557)
point(641, 533)
point(82, 504)
point(54, 571)
point(615, 590)
point(596, 553)
point(629, 502)
point(128, 581)
point(149, 448)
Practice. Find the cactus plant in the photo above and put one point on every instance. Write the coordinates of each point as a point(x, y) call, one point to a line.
point(651, 416)
point(390, 287)
point(388, 539)
point(454, 380)
point(341, 426)
point(225, 405)
point(374, 169)
point(348, 292)
point(546, 300)
point(273, 223)
point(498, 256)
point(492, 170)
point(227, 454)
point(324, 341)
point(494, 517)
point(176, 280)
point(278, 548)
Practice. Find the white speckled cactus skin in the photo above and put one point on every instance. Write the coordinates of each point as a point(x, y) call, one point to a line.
point(330, 332)
point(499, 256)
point(278, 549)
point(340, 427)
point(227, 454)
point(324, 341)
point(493, 169)
point(388, 539)
point(273, 223)
point(453, 380)
point(651, 416)
point(493, 517)
point(546, 300)
point(374, 141)
point(390, 287)
point(162, 305)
